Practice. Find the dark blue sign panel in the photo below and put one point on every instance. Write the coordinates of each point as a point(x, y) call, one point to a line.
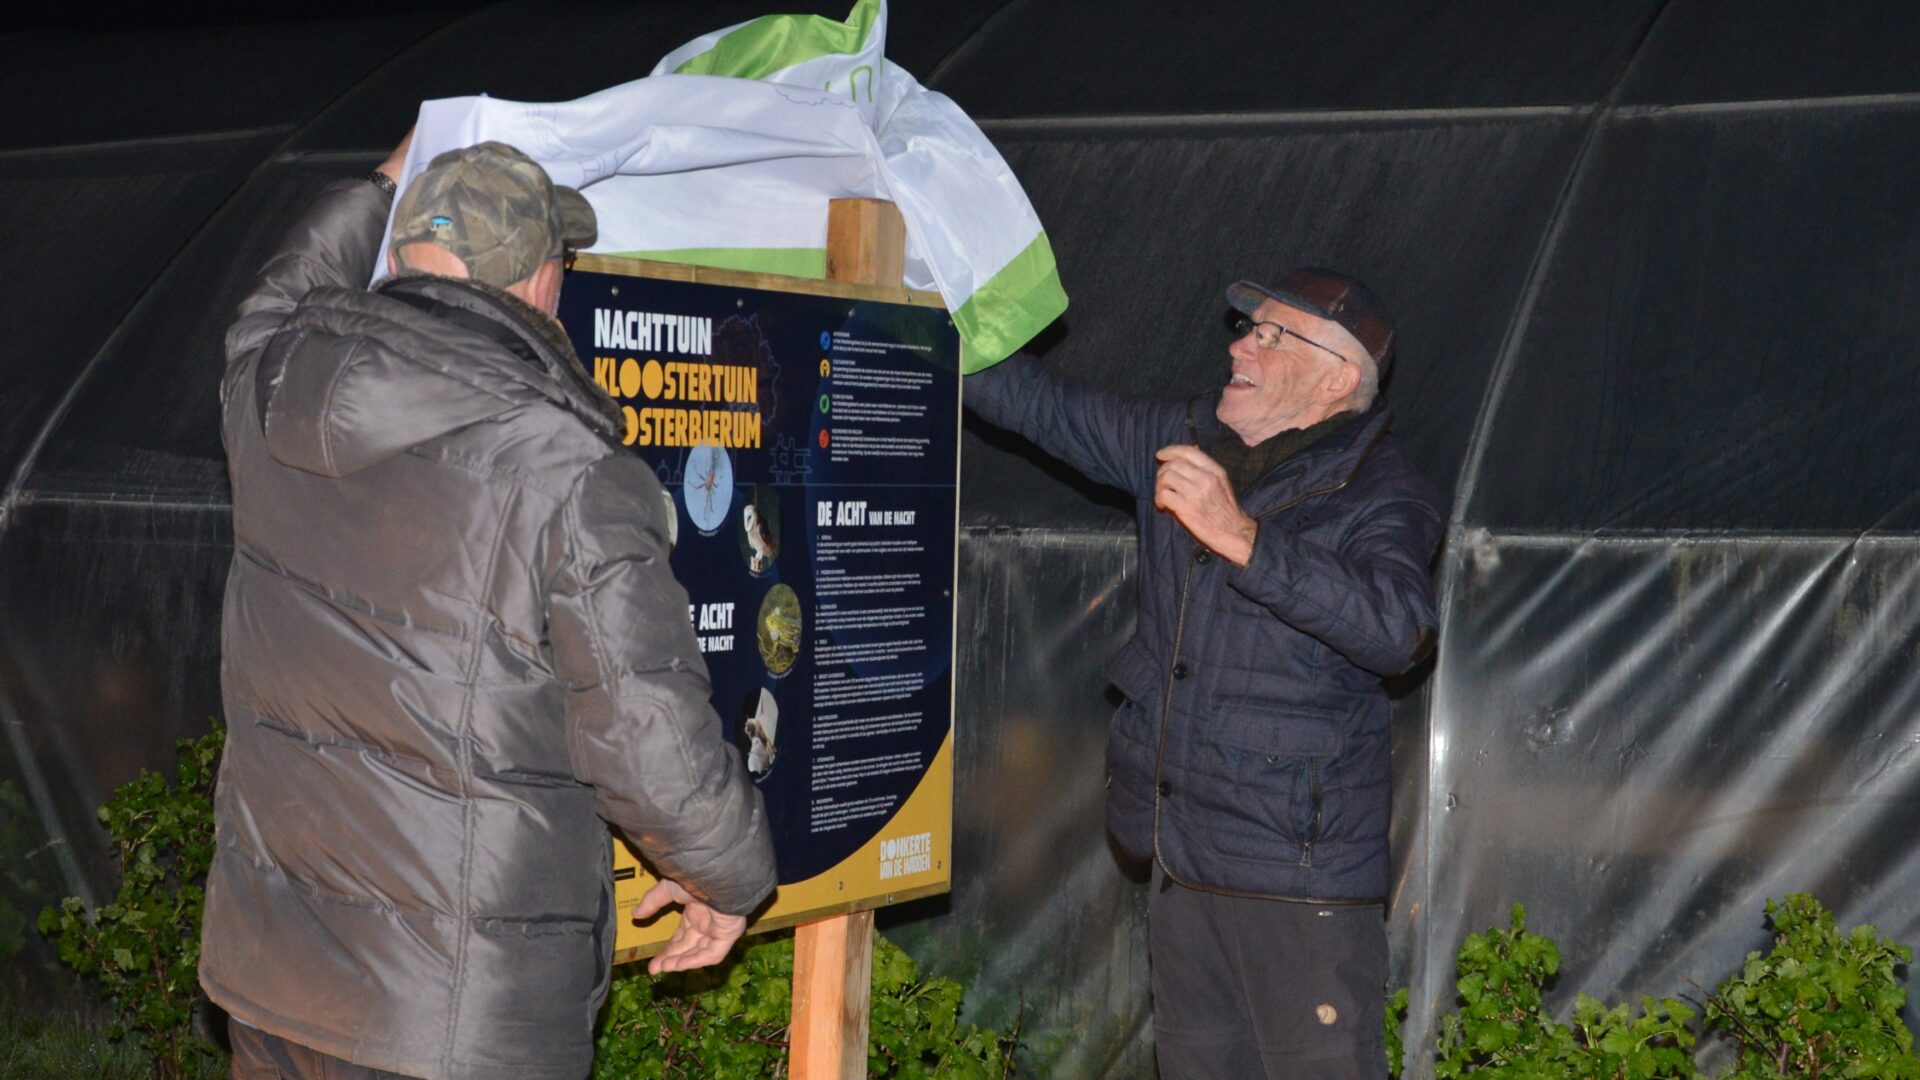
point(809, 445)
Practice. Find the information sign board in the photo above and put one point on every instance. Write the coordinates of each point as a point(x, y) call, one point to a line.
point(807, 435)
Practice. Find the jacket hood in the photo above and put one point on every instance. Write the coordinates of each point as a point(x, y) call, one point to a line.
point(354, 378)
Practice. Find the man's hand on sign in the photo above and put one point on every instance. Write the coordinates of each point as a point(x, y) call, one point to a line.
point(703, 937)
point(1194, 488)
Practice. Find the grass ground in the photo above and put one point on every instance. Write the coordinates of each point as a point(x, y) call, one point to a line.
point(57, 1033)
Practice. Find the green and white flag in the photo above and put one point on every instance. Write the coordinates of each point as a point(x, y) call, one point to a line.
point(725, 156)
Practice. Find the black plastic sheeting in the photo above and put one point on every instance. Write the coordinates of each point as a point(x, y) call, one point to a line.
point(1186, 208)
point(142, 429)
point(544, 51)
point(1659, 324)
point(106, 663)
point(86, 233)
point(1746, 50)
point(75, 87)
point(1091, 57)
point(1726, 335)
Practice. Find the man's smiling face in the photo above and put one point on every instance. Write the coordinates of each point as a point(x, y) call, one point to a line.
point(1290, 385)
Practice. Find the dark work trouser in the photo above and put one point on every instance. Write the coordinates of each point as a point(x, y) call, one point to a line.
point(260, 1056)
point(1244, 989)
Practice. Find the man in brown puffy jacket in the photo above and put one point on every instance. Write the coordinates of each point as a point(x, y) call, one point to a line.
point(452, 648)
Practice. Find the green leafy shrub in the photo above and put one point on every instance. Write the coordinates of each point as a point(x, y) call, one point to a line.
point(143, 951)
point(916, 1029)
point(1502, 1031)
point(1820, 1004)
point(22, 889)
point(144, 948)
point(1396, 1016)
point(1621, 1045)
point(731, 1020)
point(728, 1020)
point(49, 1031)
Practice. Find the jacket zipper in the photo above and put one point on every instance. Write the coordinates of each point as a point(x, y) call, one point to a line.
point(1166, 714)
point(1313, 827)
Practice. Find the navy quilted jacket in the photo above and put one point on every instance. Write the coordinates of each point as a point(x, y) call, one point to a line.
point(1250, 755)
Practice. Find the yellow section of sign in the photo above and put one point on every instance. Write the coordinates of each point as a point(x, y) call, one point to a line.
point(909, 857)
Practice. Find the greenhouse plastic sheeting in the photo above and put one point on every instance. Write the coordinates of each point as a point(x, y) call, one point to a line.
point(111, 652)
point(66, 88)
point(1047, 926)
point(1725, 336)
point(1679, 640)
point(530, 51)
point(1652, 263)
point(138, 428)
point(1205, 204)
point(1644, 738)
point(1776, 50)
point(87, 232)
point(1117, 59)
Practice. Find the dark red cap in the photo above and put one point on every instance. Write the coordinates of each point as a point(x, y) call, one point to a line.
point(1333, 296)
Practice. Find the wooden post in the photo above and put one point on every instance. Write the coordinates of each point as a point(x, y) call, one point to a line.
point(832, 977)
point(866, 242)
point(833, 958)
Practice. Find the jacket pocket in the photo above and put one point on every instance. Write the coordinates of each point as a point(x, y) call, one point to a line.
point(1134, 671)
point(1261, 767)
point(1132, 743)
point(1130, 756)
point(1263, 727)
point(1133, 733)
point(568, 959)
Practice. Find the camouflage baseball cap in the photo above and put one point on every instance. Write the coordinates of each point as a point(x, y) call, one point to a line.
point(496, 209)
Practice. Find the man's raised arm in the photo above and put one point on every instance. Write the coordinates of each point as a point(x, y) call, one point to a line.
point(1108, 437)
point(334, 242)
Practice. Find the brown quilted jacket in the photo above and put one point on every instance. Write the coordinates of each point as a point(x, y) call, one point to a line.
point(453, 648)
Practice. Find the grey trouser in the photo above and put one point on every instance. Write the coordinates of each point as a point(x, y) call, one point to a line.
point(260, 1056)
point(1244, 989)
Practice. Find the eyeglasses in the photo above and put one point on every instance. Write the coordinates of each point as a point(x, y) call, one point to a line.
point(1271, 336)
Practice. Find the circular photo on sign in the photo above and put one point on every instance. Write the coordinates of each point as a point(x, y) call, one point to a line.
point(778, 629)
point(759, 726)
point(708, 487)
point(673, 520)
point(760, 530)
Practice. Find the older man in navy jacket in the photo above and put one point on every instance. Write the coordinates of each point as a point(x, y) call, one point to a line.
point(1285, 546)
